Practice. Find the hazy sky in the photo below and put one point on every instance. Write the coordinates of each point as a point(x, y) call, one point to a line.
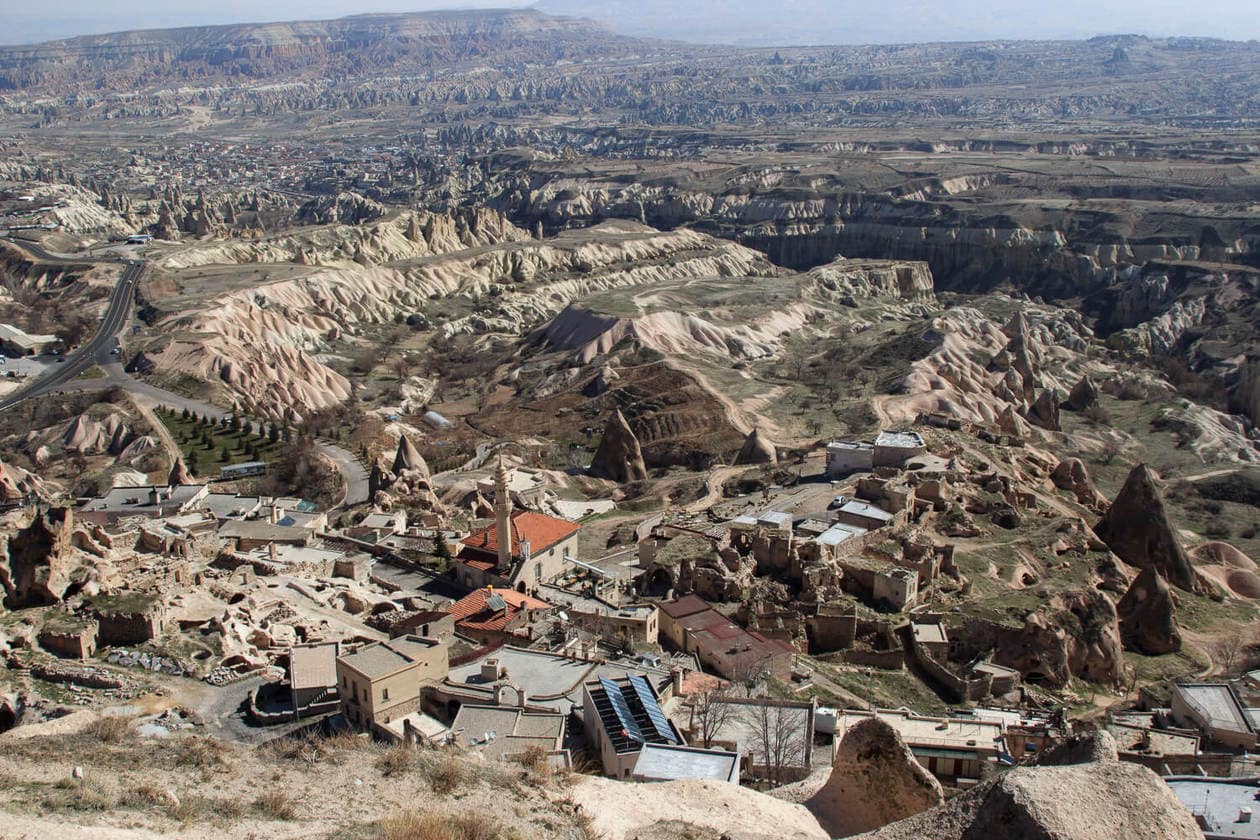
point(733, 21)
point(27, 21)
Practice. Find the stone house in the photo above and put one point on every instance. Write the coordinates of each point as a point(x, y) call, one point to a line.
point(620, 717)
point(382, 681)
point(489, 615)
point(313, 675)
point(896, 588)
point(691, 625)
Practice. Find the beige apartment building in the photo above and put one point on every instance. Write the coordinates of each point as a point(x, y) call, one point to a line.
point(382, 681)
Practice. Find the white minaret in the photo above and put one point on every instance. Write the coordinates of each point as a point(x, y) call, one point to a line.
point(503, 515)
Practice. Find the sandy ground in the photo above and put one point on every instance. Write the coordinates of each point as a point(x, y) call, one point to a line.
point(692, 809)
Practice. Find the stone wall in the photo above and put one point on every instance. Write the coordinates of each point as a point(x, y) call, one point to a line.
point(119, 628)
point(73, 643)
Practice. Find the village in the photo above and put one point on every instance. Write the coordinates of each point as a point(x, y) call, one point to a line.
point(683, 654)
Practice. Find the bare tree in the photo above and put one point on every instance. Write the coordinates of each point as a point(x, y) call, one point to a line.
point(750, 671)
point(710, 713)
point(778, 738)
point(1228, 652)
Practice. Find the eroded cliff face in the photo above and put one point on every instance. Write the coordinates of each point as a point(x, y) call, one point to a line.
point(262, 344)
point(1055, 255)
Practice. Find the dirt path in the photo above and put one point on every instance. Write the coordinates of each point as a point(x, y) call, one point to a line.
point(160, 430)
point(734, 414)
point(713, 484)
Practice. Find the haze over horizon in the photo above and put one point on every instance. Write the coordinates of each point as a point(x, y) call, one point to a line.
point(793, 22)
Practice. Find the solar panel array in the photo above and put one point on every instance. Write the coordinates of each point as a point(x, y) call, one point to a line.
point(659, 722)
point(622, 709)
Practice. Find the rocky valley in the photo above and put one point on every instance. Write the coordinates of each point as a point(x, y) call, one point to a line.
point(485, 414)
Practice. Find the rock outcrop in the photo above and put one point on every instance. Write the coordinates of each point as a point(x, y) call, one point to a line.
point(1098, 801)
point(1085, 748)
point(179, 474)
point(874, 780)
point(407, 479)
point(408, 458)
point(699, 808)
point(1076, 635)
point(1147, 613)
point(41, 561)
point(1138, 530)
point(1072, 475)
point(1084, 395)
point(757, 449)
point(1044, 411)
point(619, 457)
point(17, 484)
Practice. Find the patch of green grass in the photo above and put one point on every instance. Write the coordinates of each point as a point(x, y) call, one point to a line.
point(125, 603)
point(886, 689)
point(204, 443)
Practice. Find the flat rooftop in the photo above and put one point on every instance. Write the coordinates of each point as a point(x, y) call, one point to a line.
point(502, 731)
point(313, 666)
point(900, 440)
point(1217, 804)
point(667, 763)
point(839, 533)
point(552, 681)
point(230, 505)
point(847, 445)
point(1216, 704)
point(139, 499)
point(866, 511)
point(930, 633)
point(292, 555)
point(931, 732)
point(385, 658)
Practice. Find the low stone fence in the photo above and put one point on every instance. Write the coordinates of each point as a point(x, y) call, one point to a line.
point(325, 704)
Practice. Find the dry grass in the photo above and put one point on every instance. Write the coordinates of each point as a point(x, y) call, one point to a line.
point(277, 804)
point(538, 769)
point(145, 795)
point(314, 749)
point(435, 825)
point(86, 794)
point(110, 729)
point(203, 753)
point(446, 774)
point(396, 761)
point(192, 808)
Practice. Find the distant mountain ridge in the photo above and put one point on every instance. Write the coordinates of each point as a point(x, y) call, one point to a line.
point(254, 51)
point(849, 22)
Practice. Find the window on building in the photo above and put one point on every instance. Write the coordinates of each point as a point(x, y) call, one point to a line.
point(385, 695)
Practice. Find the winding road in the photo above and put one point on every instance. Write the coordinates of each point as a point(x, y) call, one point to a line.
point(64, 378)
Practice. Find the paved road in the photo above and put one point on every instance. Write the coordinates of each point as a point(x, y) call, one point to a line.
point(351, 468)
point(95, 351)
point(64, 377)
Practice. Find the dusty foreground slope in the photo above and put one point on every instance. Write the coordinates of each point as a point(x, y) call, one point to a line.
point(690, 809)
point(193, 787)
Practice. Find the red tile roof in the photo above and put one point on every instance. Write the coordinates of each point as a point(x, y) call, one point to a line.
point(470, 611)
point(477, 563)
point(540, 530)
